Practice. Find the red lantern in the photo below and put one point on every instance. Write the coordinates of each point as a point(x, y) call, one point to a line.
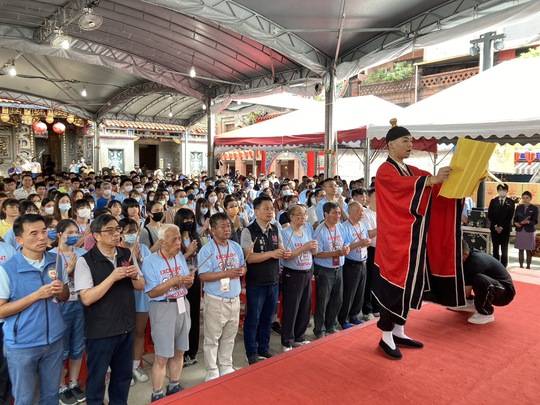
point(39, 127)
point(59, 128)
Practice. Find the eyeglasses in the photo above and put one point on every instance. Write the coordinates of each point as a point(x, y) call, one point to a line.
point(116, 229)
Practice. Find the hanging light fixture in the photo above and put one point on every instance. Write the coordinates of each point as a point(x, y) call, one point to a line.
point(84, 93)
point(4, 116)
point(204, 107)
point(11, 70)
point(49, 119)
point(61, 40)
point(170, 113)
point(192, 71)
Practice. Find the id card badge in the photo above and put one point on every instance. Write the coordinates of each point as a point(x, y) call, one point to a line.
point(335, 261)
point(225, 284)
point(181, 304)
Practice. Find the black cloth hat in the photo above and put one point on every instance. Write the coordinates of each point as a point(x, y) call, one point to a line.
point(396, 132)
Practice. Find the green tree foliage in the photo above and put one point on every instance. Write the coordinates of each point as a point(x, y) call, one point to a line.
point(400, 71)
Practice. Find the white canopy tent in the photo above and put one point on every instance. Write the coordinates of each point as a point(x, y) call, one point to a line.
point(501, 102)
point(351, 113)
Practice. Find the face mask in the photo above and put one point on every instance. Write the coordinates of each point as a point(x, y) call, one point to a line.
point(186, 226)
point(212, 199)
point(107, 193)
point(163, 202)
point(84, 212)
point(72, 239)
point(128, 188)
point(138, 199)
point(287, 192)
point(157, 216)
point(48, 210)
point(340, 190)
point(204, 211)
point(51, 234)
point(130, 238)
point(502, 193)
point(196, 191)
point(64, 207)
point(183, 201)
point(139, 189)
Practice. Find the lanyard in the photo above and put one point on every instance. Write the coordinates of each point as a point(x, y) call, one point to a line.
point(333, 239)
point(173, 273)
point(223, 262)
point(355, 231)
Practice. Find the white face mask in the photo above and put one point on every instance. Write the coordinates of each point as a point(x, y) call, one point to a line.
point(84, 212)
point(48, 210)
point(64, 207)
point(107, 193)
point(128, 188)
point(212, 199)
point(204, 211)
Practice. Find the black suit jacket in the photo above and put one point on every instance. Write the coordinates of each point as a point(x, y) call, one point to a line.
point(501, 214)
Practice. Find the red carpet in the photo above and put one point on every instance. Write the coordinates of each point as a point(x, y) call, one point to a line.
point(464, 364)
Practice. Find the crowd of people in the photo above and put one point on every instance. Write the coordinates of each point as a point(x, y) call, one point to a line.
point(88, 260)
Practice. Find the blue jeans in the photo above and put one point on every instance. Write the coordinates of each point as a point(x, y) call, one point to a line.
point(73, 314)
point(32, 367)
point(261, 304)
point(116, 352)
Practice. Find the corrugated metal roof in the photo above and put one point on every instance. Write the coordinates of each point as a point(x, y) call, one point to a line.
point(197, 129)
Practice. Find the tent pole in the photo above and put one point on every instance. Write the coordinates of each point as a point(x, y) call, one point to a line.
point(330, 141)
point(211, 136)
point(366, 161)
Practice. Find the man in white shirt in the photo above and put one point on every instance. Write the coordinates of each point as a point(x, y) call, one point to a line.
point(26, 189)
point(370, 307)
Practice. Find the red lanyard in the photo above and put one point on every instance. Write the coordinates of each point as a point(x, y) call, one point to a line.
point(355, 231)
point(223, 263)
point(173, 273)
point(333, 239)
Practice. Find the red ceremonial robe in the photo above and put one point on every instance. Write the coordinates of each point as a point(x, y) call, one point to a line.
point(418, 242)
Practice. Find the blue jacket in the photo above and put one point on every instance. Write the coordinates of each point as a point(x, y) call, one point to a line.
point(39, 324)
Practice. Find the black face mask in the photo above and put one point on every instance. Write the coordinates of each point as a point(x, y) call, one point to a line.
point(186, 226)
point(157, 216)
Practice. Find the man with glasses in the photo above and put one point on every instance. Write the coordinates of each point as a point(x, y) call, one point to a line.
point(105, 278)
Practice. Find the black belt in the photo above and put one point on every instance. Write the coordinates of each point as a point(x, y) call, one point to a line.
point(168, 300)
point(354, 261)
point(295, 270)
point(328, 268)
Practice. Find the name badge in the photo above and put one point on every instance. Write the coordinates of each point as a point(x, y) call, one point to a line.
point(225, 284)
point(181, 304)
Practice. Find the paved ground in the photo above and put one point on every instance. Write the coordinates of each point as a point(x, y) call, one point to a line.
point(193, 375)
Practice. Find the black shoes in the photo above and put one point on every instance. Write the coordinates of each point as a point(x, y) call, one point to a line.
point(262, 356)
point(252, 359)
point(393, 354)
point(407, 342)
point(173, 389)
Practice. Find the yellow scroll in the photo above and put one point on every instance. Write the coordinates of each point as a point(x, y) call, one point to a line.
point(469, 166)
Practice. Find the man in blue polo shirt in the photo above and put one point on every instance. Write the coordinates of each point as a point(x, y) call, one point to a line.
point(30, 289)
point(221, 264)
point(354, 270)
point(332, 194)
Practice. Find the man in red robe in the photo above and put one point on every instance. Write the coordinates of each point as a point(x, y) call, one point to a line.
point(418, 243)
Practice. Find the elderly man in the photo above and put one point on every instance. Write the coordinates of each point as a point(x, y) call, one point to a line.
point(354, 269)
point(167, 281)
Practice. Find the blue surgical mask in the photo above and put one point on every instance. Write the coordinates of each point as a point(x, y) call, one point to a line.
point(183, 200)
point(130, 238)
point(72, 239)
point(51, 234)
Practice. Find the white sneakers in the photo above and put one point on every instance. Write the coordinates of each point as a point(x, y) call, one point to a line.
point(140, 375)
point(469, 307)
point(227, 370)
point(211, 375)
point(286, 348)
point(479, 319)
